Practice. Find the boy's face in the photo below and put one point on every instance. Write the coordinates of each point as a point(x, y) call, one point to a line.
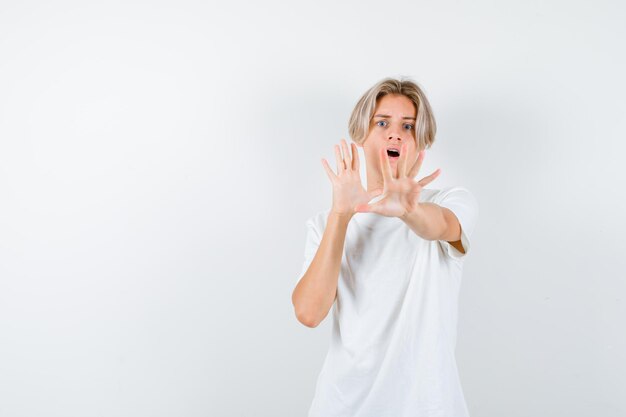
point(392, 125)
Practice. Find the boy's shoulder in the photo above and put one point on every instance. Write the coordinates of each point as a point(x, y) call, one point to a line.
point(440, 194)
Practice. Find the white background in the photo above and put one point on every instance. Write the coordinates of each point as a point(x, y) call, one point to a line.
point(158, 161)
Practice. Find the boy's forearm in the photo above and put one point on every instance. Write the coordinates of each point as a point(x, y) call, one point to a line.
point(427, 221)
point(315, 293)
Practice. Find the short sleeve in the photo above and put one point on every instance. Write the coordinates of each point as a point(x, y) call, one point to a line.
point(311, 244)
point(462, 203)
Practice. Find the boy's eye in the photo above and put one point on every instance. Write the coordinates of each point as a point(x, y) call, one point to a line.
point(382, 123)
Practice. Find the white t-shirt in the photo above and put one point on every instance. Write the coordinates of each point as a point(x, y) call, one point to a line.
point(394, 320)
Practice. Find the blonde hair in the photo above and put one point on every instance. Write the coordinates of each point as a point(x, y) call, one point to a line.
point(425, 126)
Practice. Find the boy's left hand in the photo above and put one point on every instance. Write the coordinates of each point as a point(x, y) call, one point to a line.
point(400, 195)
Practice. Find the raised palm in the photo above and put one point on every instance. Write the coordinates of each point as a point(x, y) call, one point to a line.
point(348, 191)
point(401, 194)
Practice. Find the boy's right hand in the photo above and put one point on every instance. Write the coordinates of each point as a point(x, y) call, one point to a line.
point(348, 192)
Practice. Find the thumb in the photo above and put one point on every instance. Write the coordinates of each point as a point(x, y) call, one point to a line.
point(376, 208)
point(362, 208)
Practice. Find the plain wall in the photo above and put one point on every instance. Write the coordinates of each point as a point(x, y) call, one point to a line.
point(158, 161)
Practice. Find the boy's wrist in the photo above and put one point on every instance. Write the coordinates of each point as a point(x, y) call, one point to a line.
point(340, 215)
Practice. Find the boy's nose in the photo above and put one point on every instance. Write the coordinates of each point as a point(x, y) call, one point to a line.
point(395, 136)
point(394, 133)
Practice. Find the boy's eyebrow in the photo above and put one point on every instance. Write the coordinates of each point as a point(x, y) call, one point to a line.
point(387, 116)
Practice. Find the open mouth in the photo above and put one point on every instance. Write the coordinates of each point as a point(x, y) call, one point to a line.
point(393, 153)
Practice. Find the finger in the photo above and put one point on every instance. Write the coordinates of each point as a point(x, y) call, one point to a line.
point(341, 167)
point(427, 180)
point(385, 166)
point(402, 161)
point(363, 208)
point(418, 164)
point(346, 154)
point(329, 171)
point(368, 208)
point(355, 157)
